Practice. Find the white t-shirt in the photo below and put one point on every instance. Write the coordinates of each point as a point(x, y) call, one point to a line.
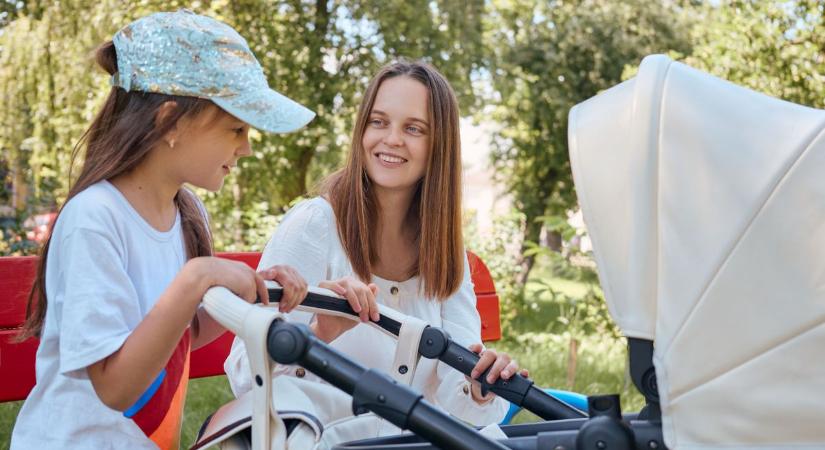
point(106, 268)
point(307, 239)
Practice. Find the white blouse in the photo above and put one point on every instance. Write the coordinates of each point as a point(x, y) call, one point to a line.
point(307, 239)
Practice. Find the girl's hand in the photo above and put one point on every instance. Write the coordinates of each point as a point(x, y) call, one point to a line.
point(502, 366)
point(294, 285)
point(361, 298)
point(235, 276)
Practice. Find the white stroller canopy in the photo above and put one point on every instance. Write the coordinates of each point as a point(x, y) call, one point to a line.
point(705, 202)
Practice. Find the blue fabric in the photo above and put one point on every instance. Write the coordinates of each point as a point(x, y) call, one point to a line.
point(573, 399)
point(147, 395)
point(186, 54)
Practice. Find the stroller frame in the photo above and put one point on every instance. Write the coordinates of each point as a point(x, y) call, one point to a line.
point(371, 390)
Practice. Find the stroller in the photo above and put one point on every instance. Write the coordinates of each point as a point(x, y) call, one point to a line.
point(719, 261)
point(712, 253)
point(285, 412)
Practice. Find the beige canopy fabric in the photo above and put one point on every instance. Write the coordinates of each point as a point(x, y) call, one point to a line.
point(705, 202)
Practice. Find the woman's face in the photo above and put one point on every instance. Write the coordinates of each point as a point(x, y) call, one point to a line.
point(396, 140)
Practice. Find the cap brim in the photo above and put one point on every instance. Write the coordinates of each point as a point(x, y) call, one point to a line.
point(267, 110)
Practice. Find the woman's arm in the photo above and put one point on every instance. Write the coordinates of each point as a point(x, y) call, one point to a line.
point(455, 394)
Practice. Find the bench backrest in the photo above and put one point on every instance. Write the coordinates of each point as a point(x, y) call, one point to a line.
point(17, 360)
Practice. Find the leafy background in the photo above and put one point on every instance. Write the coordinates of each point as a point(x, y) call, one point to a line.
point(517, 64)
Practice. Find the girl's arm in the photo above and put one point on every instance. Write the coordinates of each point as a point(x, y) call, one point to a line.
point(205, 329)
point(122, 377)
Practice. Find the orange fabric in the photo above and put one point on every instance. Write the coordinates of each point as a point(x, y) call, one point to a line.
point(167, 434)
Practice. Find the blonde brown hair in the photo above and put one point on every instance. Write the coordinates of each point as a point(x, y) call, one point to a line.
point(119, 138)
point(435, 211)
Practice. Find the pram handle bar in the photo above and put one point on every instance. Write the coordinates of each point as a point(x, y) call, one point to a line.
point(290, 343)
point(436, 344)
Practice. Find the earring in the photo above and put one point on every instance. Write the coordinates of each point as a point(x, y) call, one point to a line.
point(172, 144)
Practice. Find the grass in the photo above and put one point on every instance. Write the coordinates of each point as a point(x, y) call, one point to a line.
point(205, 395)
point(8, 411)
point(601, 367)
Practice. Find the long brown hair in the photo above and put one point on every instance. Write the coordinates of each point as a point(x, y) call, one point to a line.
point(435, 211)
point(119, 138)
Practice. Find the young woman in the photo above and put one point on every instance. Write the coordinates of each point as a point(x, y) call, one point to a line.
point(387, 229)
point(119, 283)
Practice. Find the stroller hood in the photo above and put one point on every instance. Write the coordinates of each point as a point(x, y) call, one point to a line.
point(705, 202)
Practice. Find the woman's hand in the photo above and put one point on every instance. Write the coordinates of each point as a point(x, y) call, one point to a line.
point(361, 298)
point(501, 366)
point(293, 284)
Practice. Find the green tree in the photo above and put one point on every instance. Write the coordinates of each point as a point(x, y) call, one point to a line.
point(544, 57)
point(48, 93)
point(773, 47)
point(318, 52)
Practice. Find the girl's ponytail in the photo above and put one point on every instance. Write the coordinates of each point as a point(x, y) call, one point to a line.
point(196, 234)
point(106, 57)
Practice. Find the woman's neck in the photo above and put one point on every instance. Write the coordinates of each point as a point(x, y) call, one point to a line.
point(397, 252)
point(394, 206)
point(149, 190)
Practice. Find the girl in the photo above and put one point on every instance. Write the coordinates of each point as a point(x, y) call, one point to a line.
point(116, 299)
point(392, 218)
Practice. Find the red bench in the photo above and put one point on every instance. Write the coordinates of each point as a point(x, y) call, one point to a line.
point(17, 359)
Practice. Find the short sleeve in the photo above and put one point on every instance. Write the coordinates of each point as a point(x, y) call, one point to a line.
point(96, 303)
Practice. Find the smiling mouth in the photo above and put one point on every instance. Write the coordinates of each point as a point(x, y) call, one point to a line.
point(392, 159)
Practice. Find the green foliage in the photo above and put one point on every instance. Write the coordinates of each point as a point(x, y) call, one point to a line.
point(772, 47)
point(47, 95)
point(320, 53)
point(518, 63)
point(500, 253)
point(13, 239)
point(602, 367)
point(543, 58)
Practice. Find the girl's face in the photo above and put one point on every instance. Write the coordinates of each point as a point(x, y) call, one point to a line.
point(396, 140)
point(209, 146)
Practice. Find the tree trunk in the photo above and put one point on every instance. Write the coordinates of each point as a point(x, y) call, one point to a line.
point(572, 360)
point(20, 189)
point(532, 233)
point(553, 241)
point(295, 185)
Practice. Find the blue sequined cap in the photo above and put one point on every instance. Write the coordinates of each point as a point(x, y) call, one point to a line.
point(183, 53)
